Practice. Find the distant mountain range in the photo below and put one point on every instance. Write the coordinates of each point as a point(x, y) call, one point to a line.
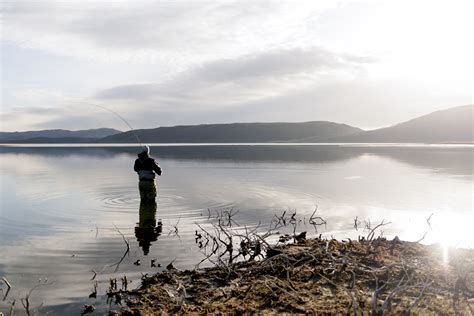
point(51, 134)
point(445, 126)
point(236, 133)
point(454, 125)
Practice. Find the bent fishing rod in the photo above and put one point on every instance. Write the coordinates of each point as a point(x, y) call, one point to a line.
point(116, 114)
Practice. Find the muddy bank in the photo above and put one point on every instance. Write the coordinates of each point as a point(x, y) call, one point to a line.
point(320, 276)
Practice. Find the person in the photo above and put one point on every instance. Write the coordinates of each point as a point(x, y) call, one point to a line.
point(146, 167)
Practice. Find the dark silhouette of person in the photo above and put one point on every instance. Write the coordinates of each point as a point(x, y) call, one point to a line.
point(147, 230)
point(146, 167)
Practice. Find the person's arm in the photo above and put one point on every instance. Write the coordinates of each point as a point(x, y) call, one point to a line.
point(157, 168)
point(136, 166)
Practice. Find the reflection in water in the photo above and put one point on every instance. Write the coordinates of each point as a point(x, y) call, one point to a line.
point(59, 206)
point(147, 230)
point(448, 159)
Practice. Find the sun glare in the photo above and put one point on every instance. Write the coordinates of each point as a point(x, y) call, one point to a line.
point(449, 230)
point(427, 40)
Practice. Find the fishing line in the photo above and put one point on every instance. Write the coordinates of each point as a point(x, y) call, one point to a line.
point(100, 106)
point(120, 117)
point(116, 114)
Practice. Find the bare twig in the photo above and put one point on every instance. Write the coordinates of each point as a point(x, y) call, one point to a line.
point(26, 300)
point(12, 307)
point(267, 283)
point(175, 230)
point(356, 223)
point(428, 220)
point(349, 292)
point(425, 286)
point(9, 286)
point(371, 234)
point(127, 250)
point(95, 274)
point(316, 220)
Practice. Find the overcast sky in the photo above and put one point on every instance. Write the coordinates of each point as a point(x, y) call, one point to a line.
point(161, 63)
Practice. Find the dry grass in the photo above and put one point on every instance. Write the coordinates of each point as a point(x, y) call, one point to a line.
point(318, 276)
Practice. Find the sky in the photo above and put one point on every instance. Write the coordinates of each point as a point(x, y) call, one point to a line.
point(364, 63)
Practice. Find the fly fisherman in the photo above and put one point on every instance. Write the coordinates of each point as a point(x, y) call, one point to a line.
point(146, 167)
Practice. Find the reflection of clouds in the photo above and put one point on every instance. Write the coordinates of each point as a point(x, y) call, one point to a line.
point(273, 199)
point(58, 177)
point(72, 194)
point(64, 185)
point(52, 257)
point(22, 165)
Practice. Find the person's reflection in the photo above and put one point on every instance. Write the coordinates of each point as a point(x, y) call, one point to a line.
point(147, 230)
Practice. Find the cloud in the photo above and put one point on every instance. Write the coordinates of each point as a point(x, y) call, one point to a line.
point(179, 32)
point(277, 63)
point(38, 96)
point(19, 118)
point(187, 62)
point(70, 115)
point(347, 97)
point(361, 102)
point(280, 85)
point(234, 81)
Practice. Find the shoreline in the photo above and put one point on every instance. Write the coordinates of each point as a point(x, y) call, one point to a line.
point(376, 276)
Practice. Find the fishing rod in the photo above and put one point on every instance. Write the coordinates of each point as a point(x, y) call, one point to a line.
point(120, 117)
point(116, 114)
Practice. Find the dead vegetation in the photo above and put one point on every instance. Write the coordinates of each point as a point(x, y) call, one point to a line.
point(25, 301)
point(377, 277)
point(372, 275)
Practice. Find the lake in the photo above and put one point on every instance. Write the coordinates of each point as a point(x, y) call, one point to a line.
point(64, 209)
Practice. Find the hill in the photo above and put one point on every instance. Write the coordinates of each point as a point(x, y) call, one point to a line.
point(237, 133)
point(53, 140)
point(453, 125)
point(46, 135)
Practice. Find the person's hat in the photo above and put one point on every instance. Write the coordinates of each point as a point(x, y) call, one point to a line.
point(145, 149)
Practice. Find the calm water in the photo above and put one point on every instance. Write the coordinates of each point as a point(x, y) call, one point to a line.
point(60, 207)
